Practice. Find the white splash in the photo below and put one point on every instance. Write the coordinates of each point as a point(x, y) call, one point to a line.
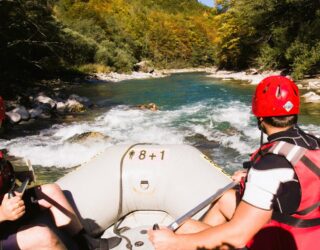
point(231, 125)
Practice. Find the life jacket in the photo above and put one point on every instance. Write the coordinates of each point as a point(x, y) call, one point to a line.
point(300, 230)
point(7, 176)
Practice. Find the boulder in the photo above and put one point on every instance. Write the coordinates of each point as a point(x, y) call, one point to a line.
point(74, 106)
point(86, 136)
point(35, 112)
point(313, 84)
point(61, 107)
point(150, 106)
point(83, 100)
point(144, 66)
point(13, 117)
point(23, 112)
point(45, 100)
point(311, 97)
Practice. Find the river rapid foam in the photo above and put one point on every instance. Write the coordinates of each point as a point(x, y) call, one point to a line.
point(226, 129)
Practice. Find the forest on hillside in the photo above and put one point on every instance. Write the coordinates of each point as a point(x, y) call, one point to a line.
point(49, 38)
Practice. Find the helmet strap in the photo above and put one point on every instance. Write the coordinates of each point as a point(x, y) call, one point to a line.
point(261, 138)
point(261, 128)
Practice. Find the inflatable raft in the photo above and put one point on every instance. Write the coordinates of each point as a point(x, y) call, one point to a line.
point(125, 190)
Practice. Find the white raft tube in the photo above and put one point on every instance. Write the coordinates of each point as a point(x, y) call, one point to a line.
point(125, 179)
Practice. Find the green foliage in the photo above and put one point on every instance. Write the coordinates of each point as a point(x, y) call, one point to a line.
point(94, 68)
point(77, 48)
point(306, 59)
point(43, 37)
point(271, 35)
point(268, 58)
point(169, 33)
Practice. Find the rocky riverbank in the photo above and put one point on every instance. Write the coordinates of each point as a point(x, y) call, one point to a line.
point(252, 76)
point(118, 77)
point(310, 85)
point(44, 104)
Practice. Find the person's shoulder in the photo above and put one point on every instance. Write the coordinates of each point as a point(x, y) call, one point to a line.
point(305, 139)
point(272, 161)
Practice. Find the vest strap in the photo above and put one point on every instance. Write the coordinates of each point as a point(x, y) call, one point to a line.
point(295, 222)
point(309, 209)
point(309, 164)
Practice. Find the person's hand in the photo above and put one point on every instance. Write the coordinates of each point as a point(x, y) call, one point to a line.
point(12, 208)
point(239, 175)
point(163, 239)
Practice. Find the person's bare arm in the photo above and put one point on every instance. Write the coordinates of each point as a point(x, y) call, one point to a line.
point(246, 222)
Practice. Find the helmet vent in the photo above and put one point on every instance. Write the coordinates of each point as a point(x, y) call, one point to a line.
point(278, 92)
point(265, 90)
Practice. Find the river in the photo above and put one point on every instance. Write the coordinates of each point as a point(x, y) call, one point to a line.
point(211, 114)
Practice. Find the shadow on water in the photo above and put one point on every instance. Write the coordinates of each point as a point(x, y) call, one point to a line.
point(32, 127)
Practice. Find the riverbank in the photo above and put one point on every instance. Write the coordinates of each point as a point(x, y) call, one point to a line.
point(252, 76)
point(118, 77)
point(49, 97)
point(310, 85)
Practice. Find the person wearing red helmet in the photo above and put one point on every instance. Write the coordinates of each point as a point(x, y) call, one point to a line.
point(277, 203)
point(17, 212)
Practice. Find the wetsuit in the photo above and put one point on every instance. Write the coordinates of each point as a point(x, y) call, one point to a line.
point(273, 184)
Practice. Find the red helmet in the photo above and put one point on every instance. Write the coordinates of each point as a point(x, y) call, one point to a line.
point(276, 96)
point(2, 109)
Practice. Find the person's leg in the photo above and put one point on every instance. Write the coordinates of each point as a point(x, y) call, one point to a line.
point(220, 212)
point(50, 196)
point(223, 210)
point(37, 238)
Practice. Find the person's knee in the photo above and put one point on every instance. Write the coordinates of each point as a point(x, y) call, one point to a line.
point(39, 236)
point(47, 237)
point(48, 193)
point(51, 189)
point(228, 199)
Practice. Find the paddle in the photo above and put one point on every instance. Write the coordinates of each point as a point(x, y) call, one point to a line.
point(20, 189)
point(178, 222)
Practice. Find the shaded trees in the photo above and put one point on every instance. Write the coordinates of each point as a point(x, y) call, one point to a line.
point(33, 43)
point(43, 37)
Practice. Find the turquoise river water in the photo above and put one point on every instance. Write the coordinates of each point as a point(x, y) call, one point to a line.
point(211, 114)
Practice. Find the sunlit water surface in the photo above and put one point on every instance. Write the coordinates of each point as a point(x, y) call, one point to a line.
point(211, 114)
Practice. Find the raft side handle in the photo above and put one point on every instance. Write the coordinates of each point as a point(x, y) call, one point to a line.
point(144, 184)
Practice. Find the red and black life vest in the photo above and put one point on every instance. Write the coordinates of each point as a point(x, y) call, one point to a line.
point(7, 176)
point(300, 230)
